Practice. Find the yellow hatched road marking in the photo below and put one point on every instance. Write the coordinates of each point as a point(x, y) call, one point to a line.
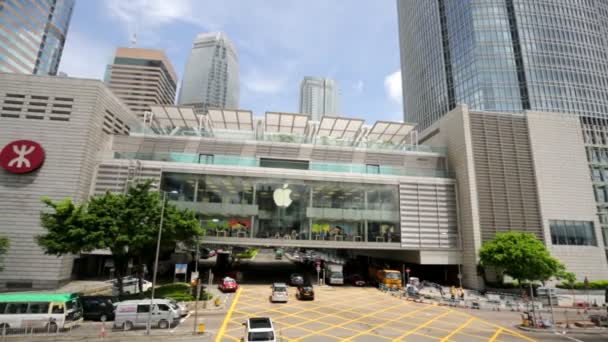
point(455, 331)
point(366, 332)
point(228, 315)
point(423, 325)
point(493, 338)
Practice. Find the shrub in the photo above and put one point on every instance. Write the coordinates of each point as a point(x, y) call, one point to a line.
point(593, 285)
point(248, 254)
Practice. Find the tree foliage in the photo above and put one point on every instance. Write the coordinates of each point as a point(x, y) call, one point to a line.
point(4, 245)
point(126, 224)
point(521, 256)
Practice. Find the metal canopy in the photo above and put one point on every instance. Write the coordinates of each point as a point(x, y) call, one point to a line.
point(279, 122)
point(338, 127)
point(232, 119)
point(174, 117)
point(395, 132)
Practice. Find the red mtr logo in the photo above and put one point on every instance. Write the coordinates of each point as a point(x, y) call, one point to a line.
point(22, 156)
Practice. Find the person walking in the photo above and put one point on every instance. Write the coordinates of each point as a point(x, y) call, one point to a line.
point(453, 292)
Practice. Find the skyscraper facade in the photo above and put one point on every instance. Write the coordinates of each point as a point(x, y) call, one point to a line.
point(32, 35)
point(503, 55)
point(319, 97)
point(142, 77)
point(211, 77)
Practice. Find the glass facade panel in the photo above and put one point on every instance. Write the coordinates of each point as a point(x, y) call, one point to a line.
point(288, 209)
point(573, 233)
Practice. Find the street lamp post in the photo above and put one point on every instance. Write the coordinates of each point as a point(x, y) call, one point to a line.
point(160, 232)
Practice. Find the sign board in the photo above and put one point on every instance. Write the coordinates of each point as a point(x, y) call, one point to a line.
point(318, 268)
point(194, 275)
point(181, 268)
point(407, 270)
point(459, 275)
point(22, 156)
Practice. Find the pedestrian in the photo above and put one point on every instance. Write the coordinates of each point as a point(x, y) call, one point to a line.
point(453, 292)
point(461, 293)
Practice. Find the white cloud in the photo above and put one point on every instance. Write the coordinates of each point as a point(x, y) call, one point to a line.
point(392, 86)
point(85, 57)
point(358, 86)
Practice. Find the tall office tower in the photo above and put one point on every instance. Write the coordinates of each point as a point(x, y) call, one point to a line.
point(141, 77)
point(319, 97)
point(503, 55)
point(32, 35)
point(211, 77)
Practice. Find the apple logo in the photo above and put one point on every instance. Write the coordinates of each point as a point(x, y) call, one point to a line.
point(282, 196)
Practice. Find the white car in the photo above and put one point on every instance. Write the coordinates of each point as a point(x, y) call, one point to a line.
point(259, 329)
point(129, 285)
point(279, 293)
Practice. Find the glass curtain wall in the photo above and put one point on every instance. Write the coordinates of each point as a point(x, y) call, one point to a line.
point(287, 209)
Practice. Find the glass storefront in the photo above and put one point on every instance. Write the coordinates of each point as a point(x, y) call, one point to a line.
point(288, 209)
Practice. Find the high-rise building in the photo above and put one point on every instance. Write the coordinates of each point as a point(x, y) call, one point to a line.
point(142, 77)
point(32, 35)
point(319, 97)
point(211, 77)
point(503, 55)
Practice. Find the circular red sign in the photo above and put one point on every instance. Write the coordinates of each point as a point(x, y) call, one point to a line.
point(407, 270)
point(22, 156)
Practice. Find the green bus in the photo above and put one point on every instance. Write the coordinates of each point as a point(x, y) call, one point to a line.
point(51, 311)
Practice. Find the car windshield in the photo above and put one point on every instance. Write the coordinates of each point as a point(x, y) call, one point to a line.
point(307, 288)
point(336, 275)
point(280, 289)
point(229, 282)
point(261, 336)
point(392, 276)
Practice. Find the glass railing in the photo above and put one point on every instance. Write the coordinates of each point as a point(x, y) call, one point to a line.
point(253, 162)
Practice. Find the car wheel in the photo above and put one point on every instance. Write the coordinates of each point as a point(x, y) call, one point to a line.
point(163, 324)
point(103, 318)
point(128, 325)
point(4, 327)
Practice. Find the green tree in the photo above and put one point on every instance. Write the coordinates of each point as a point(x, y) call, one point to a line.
point(4, 245)
point(126, 224)
point(521, 256)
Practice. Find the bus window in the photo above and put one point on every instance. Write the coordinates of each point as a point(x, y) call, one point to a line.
point(38, 308)
point(57, 309)
point(16, 308)
point(2, 308)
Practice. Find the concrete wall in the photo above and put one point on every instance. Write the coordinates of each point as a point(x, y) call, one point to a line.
point(66, 116)
point(453, 131)
point(565, 188)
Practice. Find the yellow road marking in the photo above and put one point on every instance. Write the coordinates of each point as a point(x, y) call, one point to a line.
point(349, 321)
point(509, 331)
point(455, 331)
point(228, 315)
point(423, 325)
point(366, 332)
point(493, 338)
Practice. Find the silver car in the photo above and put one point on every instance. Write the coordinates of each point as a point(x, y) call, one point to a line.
point(279, 293)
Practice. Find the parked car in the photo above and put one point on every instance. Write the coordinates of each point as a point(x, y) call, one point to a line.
point(130, 285)
point(182, 309)
point(135, 313)
point(206, 253)
point(279, 293)
point(357, 280)
point(305, 292)
point(98, 308)
point(259, 329)
point(296, 279)
point(228, 284)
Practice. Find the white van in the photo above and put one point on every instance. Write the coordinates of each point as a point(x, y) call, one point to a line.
point(135, 313)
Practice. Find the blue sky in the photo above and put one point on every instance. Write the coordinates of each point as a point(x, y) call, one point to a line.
point(279, 42)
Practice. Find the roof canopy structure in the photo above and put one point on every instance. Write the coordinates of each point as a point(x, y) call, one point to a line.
point(338, 127)
point(395, 132)
point(231, 119)
point(184, 120)
point(169, 117)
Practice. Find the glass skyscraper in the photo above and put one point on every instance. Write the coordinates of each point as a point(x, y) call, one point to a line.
point(319, 97)
point(211, 77)
point(503, 55)
point(32, 35)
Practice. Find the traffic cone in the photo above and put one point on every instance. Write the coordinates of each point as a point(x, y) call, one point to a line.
point(102, 331)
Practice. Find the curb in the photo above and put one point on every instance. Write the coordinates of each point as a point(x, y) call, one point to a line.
point(558, 331)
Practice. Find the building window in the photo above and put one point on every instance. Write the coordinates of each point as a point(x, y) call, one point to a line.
point(572, 233)
point(205, 158)
point(372, 168)
point(284, 163)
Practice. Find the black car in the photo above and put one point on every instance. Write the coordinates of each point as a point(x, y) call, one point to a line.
point(296, 279)
point(98, 308)
point(305, 292)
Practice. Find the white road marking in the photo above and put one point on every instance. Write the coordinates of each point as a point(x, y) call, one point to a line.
point(181, 321)
point(568, 337)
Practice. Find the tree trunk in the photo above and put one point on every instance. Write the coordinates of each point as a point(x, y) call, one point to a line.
point(140, 274)
point(120, 269)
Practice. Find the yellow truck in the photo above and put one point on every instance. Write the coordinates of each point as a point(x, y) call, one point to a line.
point(386, 279)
